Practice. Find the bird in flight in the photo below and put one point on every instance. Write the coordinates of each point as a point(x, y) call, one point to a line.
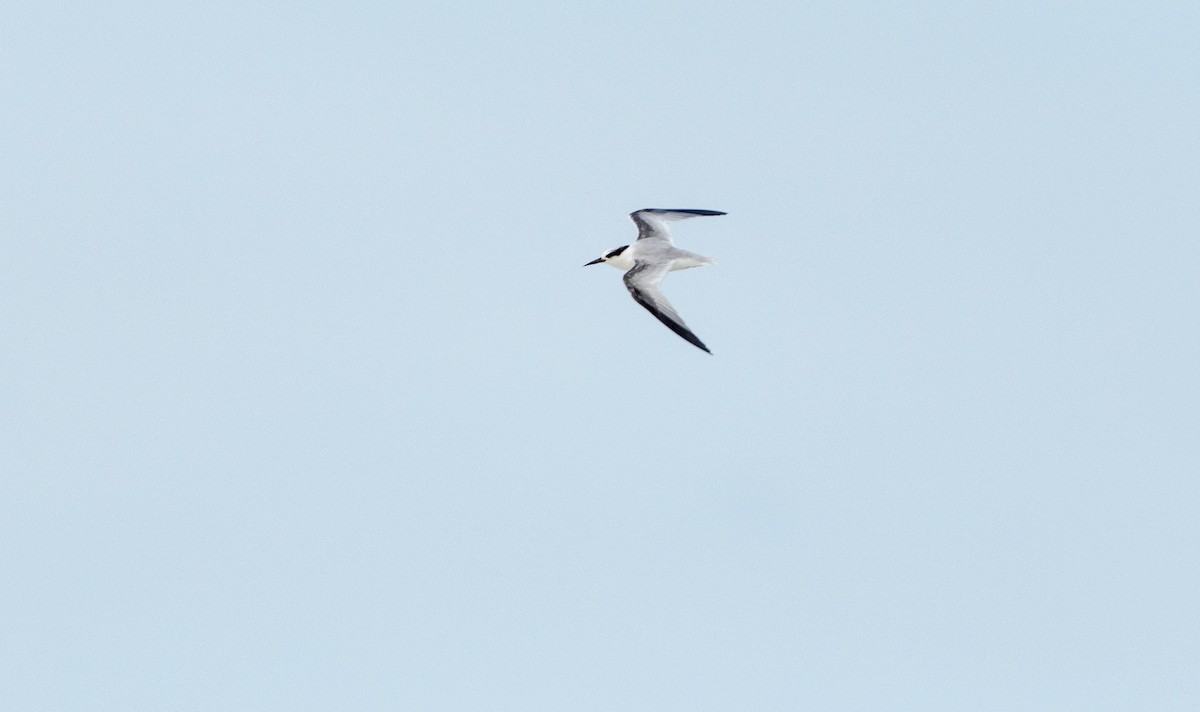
point(648, 260)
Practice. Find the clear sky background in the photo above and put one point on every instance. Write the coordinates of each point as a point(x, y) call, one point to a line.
point(308, 403)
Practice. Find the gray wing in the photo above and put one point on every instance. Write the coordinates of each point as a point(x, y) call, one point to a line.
point(643, 283)
point(652, 222)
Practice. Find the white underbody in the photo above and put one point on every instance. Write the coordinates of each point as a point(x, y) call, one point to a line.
point(656, 250)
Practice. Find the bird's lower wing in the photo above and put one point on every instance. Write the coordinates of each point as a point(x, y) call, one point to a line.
point(643, 284)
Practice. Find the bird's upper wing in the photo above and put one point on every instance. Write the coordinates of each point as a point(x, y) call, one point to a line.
point(643, 282)
point(652, 222)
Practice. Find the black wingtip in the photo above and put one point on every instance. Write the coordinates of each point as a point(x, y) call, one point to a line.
point(690, 211)
point(687, 336)
point(694, 341)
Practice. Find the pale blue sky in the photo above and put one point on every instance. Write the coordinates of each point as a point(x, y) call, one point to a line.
point(308, 404)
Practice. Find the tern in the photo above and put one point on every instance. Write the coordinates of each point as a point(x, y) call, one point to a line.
point(648, 260)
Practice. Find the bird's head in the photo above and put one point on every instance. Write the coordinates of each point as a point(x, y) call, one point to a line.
point(616, 258)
